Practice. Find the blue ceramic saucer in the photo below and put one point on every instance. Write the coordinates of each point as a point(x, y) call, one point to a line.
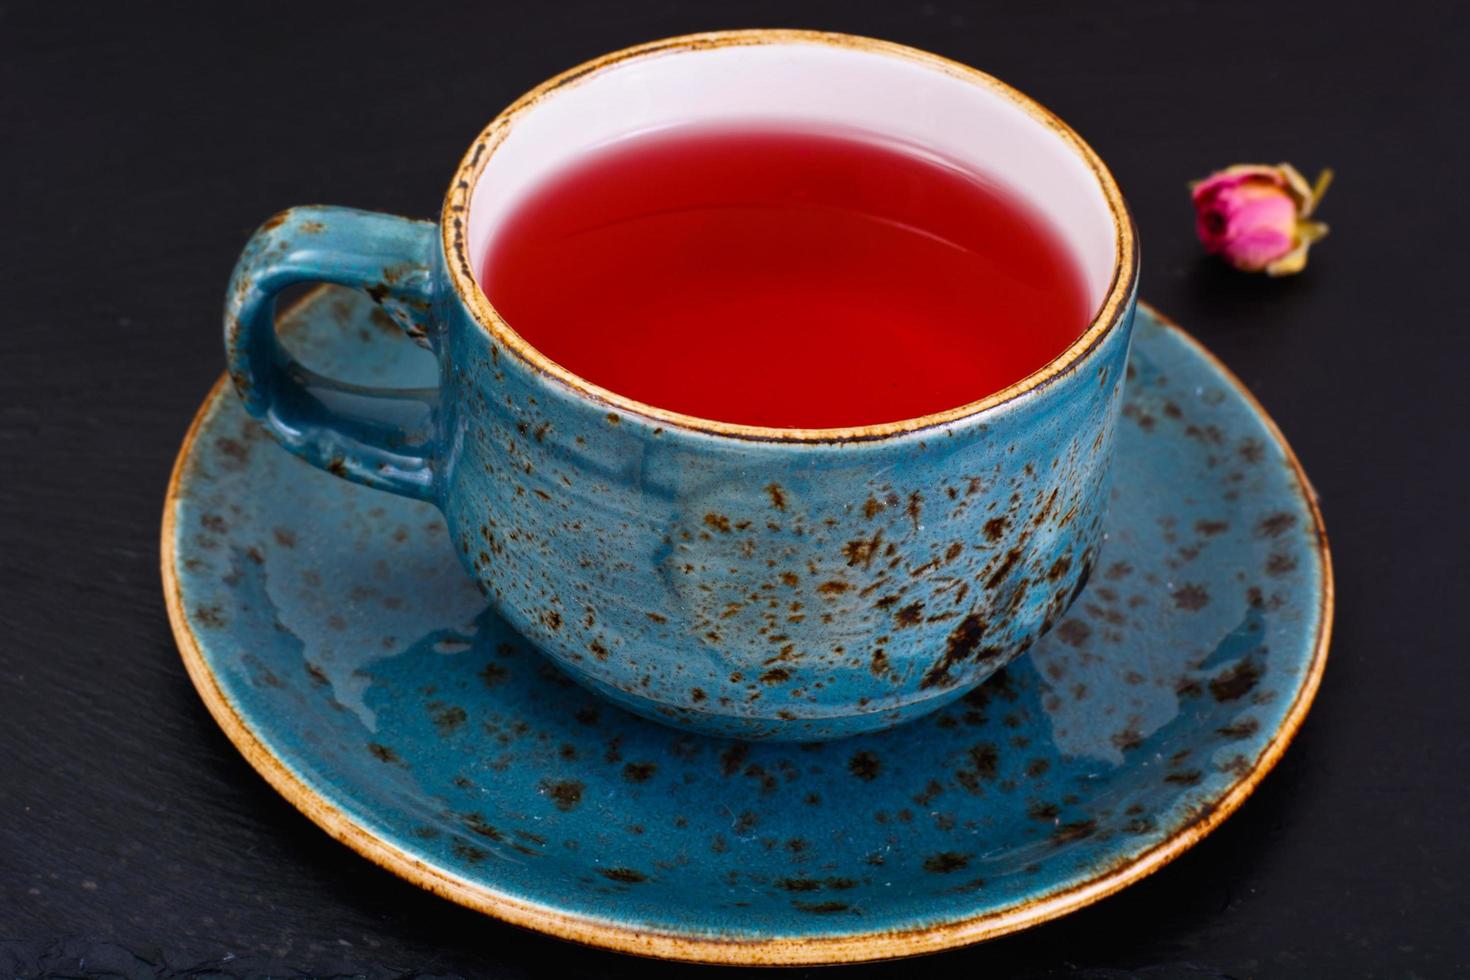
point(336, 640)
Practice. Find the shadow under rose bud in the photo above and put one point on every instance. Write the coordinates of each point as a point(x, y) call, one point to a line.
point(1256, 216)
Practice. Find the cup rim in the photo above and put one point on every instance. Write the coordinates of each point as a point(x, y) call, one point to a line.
point(455, 215)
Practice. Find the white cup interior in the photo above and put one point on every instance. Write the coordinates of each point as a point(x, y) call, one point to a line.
point(981, 126)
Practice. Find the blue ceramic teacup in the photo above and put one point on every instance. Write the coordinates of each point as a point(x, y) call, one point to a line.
point(736, 580)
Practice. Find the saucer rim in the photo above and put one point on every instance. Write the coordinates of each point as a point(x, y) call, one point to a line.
point(609, 933)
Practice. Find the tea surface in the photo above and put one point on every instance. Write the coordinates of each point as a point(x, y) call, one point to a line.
point(795, 278)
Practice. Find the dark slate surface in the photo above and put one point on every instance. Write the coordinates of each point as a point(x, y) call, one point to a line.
point(140, 146)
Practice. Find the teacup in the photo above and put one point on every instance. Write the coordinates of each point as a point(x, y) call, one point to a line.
point(735, 580)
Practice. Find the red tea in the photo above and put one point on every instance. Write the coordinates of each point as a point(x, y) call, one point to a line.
point(785, 277)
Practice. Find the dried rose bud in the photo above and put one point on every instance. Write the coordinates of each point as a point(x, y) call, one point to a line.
point(1255, 216)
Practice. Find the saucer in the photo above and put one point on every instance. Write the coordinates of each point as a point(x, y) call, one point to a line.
point(338, 643)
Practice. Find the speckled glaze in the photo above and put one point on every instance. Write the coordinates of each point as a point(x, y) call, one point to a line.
point(764, 584)
point(371, 683)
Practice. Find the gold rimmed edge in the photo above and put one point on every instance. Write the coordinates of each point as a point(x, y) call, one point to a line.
point(779, 951)
point(455, 217)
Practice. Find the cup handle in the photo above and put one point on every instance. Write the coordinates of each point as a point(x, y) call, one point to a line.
point(379, 437)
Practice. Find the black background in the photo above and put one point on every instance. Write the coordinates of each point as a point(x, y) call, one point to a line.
point(138, 148)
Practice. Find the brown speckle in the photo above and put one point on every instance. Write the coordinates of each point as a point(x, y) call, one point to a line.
point(1209, 529)
point(493, 674)
point(552, 619)
point(915, 508)
point(656, 617)
point(1280, 564)
point(475, 823)
point(861, 551)
point(211, 617)
point(778, 497)
point(625, 876)
point(1239, 729)
point(946, 862)
point(1275, 525)
point(639, 772)
point(864, 765)
point(1045, 511)
point(1074, 632)
point(834, 587)
point(1076, 830)
point(733, 758)
point(931, 790)
point(962, 642)
point(565, 793)
point(382, 753)
point(1191, 597)
point(909, 615)
point(1128, 739)
point(469, 852)
point(984, 763)
point(447, 718)
point(776, 675)
point(822, 908)
point(995, 528)
point(1236, 682)
point(799, 884)
point(1188, 778)
point(719, 522)
point(1012, 556)
point(1046, 812)
point(237, 451)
